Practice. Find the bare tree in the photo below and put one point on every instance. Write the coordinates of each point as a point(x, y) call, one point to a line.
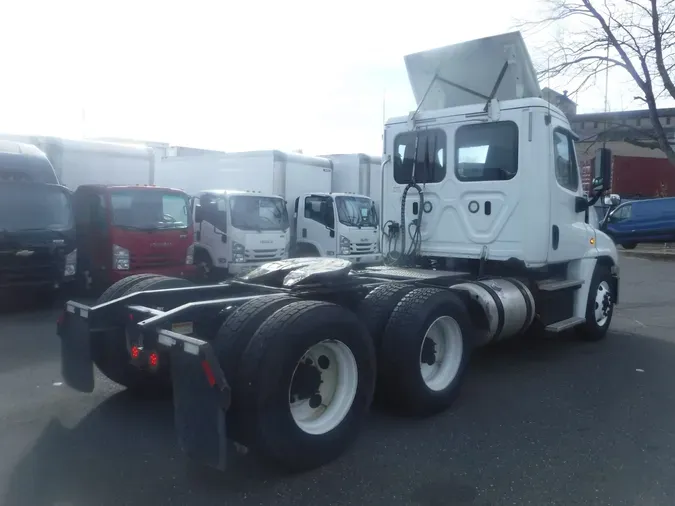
point(635, 36)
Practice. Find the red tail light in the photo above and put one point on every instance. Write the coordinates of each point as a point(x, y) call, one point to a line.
point(153, 360)
point(135, 352)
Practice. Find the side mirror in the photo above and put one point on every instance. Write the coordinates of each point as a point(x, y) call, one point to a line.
point(199, 217)
point(602, 170)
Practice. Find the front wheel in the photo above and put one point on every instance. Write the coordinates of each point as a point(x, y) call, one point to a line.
point(600, 305)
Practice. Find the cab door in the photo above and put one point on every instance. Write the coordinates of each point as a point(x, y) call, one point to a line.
point(316, 226)
point(570, 236)
point(213, 229)
point(94, 248)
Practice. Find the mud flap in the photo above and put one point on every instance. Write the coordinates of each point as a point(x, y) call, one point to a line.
point(77, 367)
point(201, 397)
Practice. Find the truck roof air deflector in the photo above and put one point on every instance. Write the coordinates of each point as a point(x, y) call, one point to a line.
point(467, 73)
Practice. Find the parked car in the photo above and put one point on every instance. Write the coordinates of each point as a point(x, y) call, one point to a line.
point(642, 221)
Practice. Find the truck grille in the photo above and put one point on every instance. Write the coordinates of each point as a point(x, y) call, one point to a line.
point(151, 261)
point(42, 266)
point(263, 255)
point(362, 248)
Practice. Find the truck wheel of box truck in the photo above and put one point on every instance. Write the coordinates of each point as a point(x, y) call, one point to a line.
point(109, 349)
point(306, 382)
point(424, 352)
point(600, 305)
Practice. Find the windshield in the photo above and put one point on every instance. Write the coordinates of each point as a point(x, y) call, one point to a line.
point(356, 211)
point(148, 209)
point(258, 213)
point(34, 207)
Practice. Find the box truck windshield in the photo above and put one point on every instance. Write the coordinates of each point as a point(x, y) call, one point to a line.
point(149, 209)
point(356, 211)
point(250, 212)
point(34, 206)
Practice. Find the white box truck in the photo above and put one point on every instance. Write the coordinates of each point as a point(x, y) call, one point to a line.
point(357, 173)
point(80, 162)
point(315, 221)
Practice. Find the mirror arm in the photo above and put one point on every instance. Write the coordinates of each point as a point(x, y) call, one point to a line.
point(594, 198)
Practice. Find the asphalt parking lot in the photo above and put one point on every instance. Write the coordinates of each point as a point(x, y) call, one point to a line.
point(556, 422)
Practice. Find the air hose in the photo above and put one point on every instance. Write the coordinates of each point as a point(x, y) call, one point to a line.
point(416, 238)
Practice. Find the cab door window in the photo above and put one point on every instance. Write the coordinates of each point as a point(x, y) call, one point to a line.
point(565, 163)
point(320, 209)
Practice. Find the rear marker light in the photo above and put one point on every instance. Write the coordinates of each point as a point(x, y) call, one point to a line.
point(135, 352)
point(209, 373)
point(153, 360)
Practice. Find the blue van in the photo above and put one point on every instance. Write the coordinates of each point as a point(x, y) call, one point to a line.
point(642, 221)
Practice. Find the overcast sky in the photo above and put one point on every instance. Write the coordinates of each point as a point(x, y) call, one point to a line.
point(217, 74)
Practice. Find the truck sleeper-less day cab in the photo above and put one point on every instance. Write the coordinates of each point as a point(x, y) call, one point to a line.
point(127, 230)
point(490, 239)
point(37, 231)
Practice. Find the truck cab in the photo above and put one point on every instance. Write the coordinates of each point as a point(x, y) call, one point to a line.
point(37, 231)
point(341, 225)
point(237, 231)
point(485, 172)
point(126, 230)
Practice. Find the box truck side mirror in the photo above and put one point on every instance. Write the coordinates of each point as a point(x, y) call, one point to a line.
point(199, 217)
point(602, 170)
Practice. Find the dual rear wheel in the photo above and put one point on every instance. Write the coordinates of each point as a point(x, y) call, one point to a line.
point(303, 373)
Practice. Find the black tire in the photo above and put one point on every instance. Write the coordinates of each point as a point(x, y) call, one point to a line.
point(629, 245)
point(110, 352)
point(400, 382)
point(232, 339)
point(591, 330)
point(119, 288)
point(265, 376)
point(205, 268)
point(377, 307)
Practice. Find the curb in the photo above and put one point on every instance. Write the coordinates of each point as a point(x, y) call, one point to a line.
point(651, 255)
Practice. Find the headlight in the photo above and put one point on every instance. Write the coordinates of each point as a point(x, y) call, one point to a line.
point(190, 256)
point(238, 252)
point(71, 263)
point(120, 258)
point(345, 245)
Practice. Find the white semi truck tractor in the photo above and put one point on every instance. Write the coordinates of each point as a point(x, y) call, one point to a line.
point(490, 239)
